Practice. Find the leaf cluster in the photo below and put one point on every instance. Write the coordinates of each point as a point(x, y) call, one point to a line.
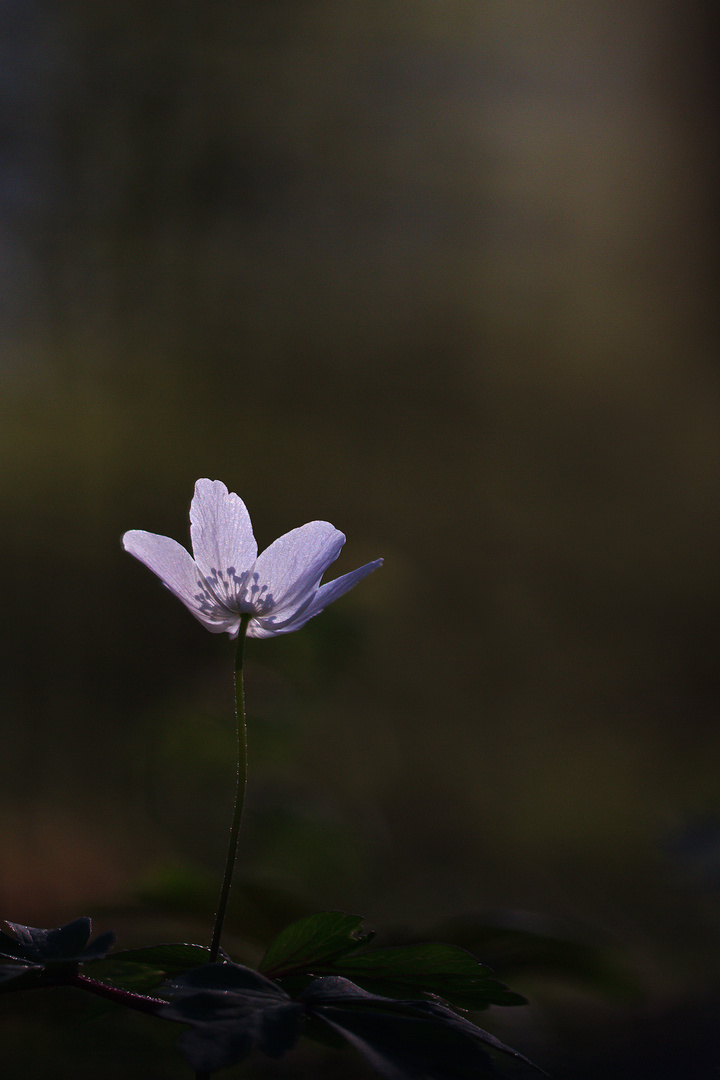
point(332, 943)
point(318, 978)
point(232, 1010)
point(34, 956)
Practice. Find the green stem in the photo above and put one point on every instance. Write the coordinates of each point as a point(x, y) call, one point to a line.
point(240, 792)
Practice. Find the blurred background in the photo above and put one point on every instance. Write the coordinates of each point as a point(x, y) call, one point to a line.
point(445, 274)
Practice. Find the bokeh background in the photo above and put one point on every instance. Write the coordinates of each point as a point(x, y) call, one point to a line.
point(445, 274)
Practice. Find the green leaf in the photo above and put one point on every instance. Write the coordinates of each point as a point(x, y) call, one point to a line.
point(431, 968)
point(313, 942)
point(149, 966)
point(173, 957)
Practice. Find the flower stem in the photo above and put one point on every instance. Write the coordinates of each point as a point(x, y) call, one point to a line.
point(141, 1002)
point(240, 792)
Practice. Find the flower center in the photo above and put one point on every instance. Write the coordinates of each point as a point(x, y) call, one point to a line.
point(223, 587)
point(234, 592)
point(257, 598)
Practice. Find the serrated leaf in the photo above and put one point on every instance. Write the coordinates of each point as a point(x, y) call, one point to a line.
point(314, 941)
point(432, 968)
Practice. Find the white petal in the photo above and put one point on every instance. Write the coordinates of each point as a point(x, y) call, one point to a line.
point(331, 590)
point(272, 625)
point(288, 572)
point(179, 573)
point(222, 538)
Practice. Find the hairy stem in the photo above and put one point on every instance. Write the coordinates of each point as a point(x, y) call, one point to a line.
point(121, 997)
point(240, 792)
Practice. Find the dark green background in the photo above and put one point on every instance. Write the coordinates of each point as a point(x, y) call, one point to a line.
point(446, 275)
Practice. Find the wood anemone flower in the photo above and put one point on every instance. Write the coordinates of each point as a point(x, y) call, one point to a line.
point(227, 579)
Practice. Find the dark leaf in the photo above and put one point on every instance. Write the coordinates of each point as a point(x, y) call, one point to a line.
point(11, 947)
point(19, 976)
point(63, 945)
point(231, 1010)
point(224, 978)
point(340, 995)
point(35, 944)
point(99, 948)
point(408, 1047)
point(334, 989)
point(312, 942)
point(443, 970)
point(209, 1047)
point(222, 1043)
point(462, 1024)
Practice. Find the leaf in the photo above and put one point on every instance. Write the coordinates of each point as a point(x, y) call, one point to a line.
point(10, 947)
point(328, 944)
point(274, 1030)
point(404, 1040)
point(231, 1010)
point(172, 958)
point(406, 1048)
point(138, 978)
point(227, 977)
point(445, 970)
point(312, 942)
point(19, 976)
point(33, 943)
point(99, 948)
point(63, 945)
point(147, 967)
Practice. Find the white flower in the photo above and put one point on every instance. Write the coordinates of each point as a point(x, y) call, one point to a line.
point(280, 589)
